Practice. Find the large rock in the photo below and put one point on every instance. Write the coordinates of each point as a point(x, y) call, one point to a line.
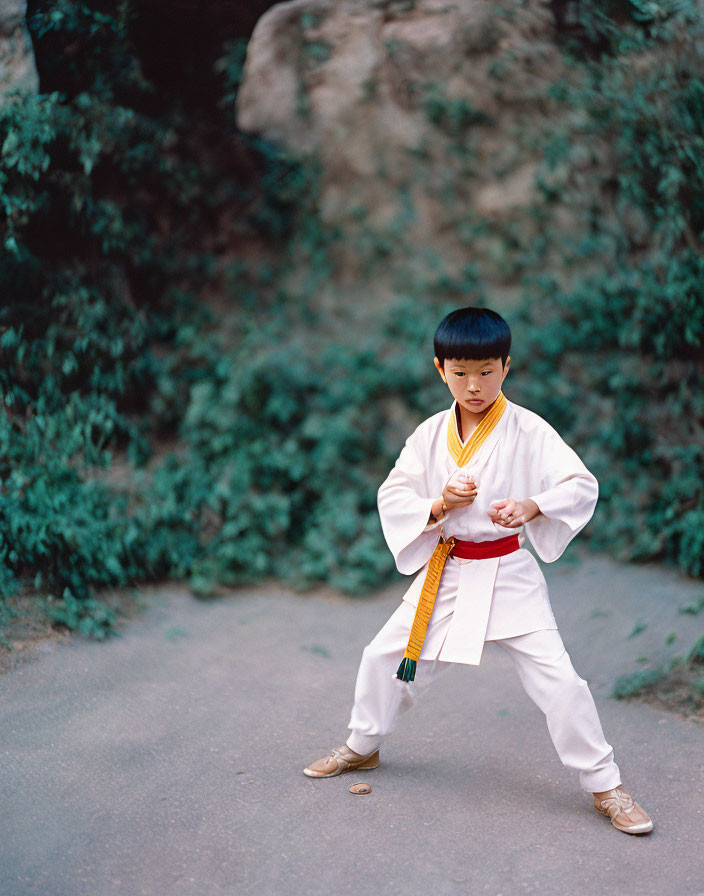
point(424, 114)
point(17, 69)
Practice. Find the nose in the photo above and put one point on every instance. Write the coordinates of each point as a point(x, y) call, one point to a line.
point(472, 386)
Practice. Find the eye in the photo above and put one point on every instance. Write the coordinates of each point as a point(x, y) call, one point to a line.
point(486, 372)
point(459, 373)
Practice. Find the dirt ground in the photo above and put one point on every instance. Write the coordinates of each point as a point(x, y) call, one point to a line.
point(30, 633)
point(678, 693)
point(27, 634)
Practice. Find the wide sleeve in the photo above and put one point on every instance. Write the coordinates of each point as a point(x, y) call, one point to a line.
point(565, 491)
point(405, 502)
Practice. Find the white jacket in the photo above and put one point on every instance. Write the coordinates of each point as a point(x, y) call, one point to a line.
point(501, 597)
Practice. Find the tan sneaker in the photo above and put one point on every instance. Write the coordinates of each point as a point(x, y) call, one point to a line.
point(340, 760)
point(624, 812)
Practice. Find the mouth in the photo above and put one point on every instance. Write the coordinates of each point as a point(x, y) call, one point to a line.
point(476, 401)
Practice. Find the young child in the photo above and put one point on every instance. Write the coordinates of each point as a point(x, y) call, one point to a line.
point(468, 484)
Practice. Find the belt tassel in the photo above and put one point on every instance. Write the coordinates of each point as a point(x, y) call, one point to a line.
point(407, 670)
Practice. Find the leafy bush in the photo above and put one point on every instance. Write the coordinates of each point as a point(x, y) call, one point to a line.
point(289, 444)
point(593, 27)
point(615, 354)
point(108, 224)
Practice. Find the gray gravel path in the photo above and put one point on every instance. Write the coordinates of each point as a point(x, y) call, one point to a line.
point(169, 759)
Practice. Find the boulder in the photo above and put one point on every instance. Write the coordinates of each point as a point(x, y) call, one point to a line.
point(17, 69)
point(423, 113)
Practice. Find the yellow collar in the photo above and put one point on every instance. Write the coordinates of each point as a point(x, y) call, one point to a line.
point(462, 454)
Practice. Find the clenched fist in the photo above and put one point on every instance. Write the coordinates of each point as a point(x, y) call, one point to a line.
point(512, 514)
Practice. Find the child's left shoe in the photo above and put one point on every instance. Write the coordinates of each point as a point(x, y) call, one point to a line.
point(623, 810)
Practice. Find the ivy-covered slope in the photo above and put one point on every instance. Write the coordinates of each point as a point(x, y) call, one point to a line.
point(119, 212)
point(179, 402)
point(616, 350)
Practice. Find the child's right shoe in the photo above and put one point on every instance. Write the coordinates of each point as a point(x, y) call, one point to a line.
point(340, 760)
point(623, 810)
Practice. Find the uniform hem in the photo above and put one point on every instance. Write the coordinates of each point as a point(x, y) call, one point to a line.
point(539, 628)
point(364, 743)
point(600, 781)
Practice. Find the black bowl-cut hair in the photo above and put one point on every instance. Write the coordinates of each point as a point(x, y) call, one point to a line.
point(472, 334)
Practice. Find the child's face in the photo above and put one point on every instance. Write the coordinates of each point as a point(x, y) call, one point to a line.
point(474, 384)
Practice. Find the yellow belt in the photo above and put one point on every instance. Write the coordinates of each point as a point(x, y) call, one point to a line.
point(426, 601)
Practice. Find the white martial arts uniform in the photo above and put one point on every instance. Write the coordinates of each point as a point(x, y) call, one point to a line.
point(502, 599)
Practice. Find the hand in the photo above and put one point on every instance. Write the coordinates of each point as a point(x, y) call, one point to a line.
point(460, 491)
point(512, 514)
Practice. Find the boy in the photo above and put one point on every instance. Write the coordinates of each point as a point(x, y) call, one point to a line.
point(468, 483)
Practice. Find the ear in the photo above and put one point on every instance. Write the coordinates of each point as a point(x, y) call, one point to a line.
point(439, 366)
point(507, 366)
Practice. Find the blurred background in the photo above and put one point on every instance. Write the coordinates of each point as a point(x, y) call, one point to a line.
point(229, 232)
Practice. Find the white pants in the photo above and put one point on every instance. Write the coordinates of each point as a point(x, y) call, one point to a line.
point(545, 670)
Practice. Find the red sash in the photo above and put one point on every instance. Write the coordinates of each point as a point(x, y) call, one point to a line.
point(482, 550)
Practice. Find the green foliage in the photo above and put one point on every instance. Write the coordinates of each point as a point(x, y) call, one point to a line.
point(146, 436)
point(454, 115)
point(290, 447)
point(89, 617)
point(635, 683)
point(593, 27)
point(693, 609)
point(677, 682)
point(108, 223)
point(696, 654)
point(317, 52)
point(615, 355)
point(615, 350)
